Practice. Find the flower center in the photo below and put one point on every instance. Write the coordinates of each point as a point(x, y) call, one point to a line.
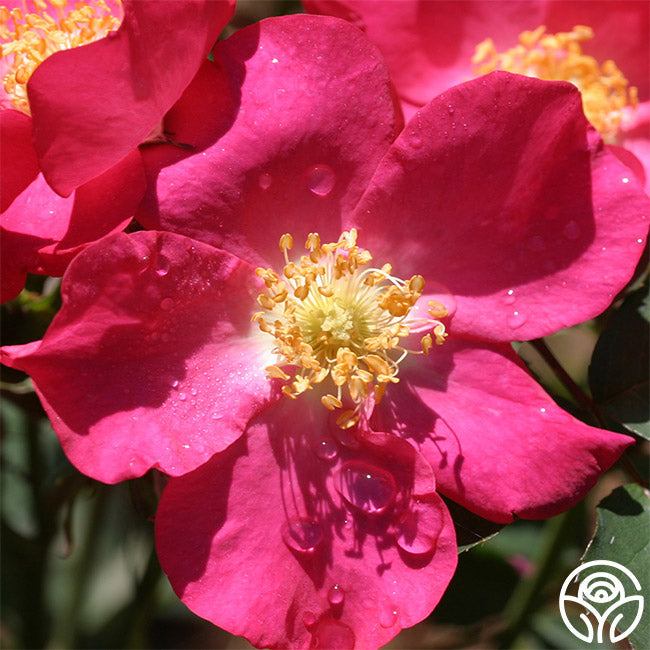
point(559, 57)
point(29, 38)
point(341, 323)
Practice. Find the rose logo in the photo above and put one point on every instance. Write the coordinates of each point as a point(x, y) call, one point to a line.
point(602, 593)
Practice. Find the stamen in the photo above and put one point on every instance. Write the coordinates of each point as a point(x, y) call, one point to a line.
point(30, 38)
point(559, 57)
point(333, 317)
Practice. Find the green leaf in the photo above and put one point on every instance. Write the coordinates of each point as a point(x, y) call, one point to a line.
point(623, 536)
point(618, 374)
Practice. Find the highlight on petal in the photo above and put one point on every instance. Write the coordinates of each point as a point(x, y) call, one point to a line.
point(349, 543)
point(530, 223)
point(42, 232)
point(304, 132)
point(148, 363)
point(497, 442)
point(93, 104)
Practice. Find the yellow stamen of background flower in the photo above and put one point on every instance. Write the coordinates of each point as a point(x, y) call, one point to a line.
point(29, 38)
point(335, 318)
point(559, 57)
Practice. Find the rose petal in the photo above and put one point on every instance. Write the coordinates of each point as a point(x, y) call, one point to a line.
point(42, 232)
point(301, 148)
point(94, 104)
point(428, 46)
point(528, 221)
point(498, 444)
point(268, 520)
point(149, 362)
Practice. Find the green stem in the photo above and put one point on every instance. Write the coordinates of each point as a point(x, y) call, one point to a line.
point(524, 598)
point(581, 398)
point(136, 629)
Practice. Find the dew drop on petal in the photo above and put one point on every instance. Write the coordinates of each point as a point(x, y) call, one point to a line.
point(320, 179)
point(571, 230)
point(516, 320)
point(366, 487)
point(193, 391)
point(388, 615)
point(415, 140)
point(420, 529)
point(166, 304)
point(265, 181)
point(182, 397)
point(510, 297)
point(332, 635)
point(162, 266)
point(326, 449)
point(175, 383)
point(336, 595)
point(217, 416)
point(309, 618)
point(302, 534)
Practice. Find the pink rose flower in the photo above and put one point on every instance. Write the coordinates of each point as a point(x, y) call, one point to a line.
point(430, 46)
point(83, 86)
point(308, 417)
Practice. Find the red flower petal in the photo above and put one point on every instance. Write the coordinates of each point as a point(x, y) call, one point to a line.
point(306, 130)
point(147, 365)
point(18, 162)
point(527, 220)
point(273, 520)
point(92, 105)
point(428, 46)
point(42, 232)
point(498, 444)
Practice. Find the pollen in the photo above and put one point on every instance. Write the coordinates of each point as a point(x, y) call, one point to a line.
point(27, 39)
point(606, 94)
point(339, 325)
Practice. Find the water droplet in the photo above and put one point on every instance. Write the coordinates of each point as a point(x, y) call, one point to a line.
point(175, 383)
point(216, 416)
point(326, 449)
point(336, 595)
point(320, 179)
point(415, 140)
point(450, 108)
point(332, 635)
point(182, 397)
point(625, 180)
point(166, 304)
point(516, 319)
point(265, 181)
point(302, 534)
point(388, 615)
point(572, 230)
point(510, 297)
point(193, 391)
point(274, 60)
point(420, 528)
point(162, 266)
point(309, 618)
point(366, 487)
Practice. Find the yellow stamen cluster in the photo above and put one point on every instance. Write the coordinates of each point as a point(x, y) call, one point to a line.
point(29, 38)
point(332, 316)
point(559, 57)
